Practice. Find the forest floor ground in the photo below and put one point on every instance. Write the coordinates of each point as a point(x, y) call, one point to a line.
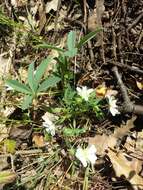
point(71, 95)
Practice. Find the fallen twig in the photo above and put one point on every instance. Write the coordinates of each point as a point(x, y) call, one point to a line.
point(128, 67)
point(135, 21)
point(128, 106)
point(139, 40)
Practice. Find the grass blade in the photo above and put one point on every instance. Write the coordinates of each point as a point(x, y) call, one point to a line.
point(18, 86)
point(44, 45)
point(49, 82)
point(87, 37)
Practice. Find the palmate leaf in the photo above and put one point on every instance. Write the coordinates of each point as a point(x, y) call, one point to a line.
point(71, 42)
point(33, 85)
point(41, 69)
point(27, 101)
point(16, 85)
point(87, 37)
point(71, 53)
point(49, 82)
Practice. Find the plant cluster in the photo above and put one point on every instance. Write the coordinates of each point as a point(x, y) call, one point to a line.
point(75, 103)
point(63, 75)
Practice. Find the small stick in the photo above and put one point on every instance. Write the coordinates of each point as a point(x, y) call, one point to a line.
point(121, 84)
point(85, 23)
point(135, 21)
point(139, 40)
point(128, 106)
point(121, 65)
point(56, 20)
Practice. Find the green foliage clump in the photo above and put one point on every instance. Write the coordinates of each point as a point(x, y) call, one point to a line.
point(34, 85)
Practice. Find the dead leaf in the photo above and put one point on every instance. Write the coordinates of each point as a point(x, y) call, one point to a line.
point(38, 140)
point(20, 132)
point(8, 111)
point(18, 3)
point(130, 144)
point(3, 132)
point(94, 19)
point(52, 5)
point(124, 129)
point(4, 162)
point(101, 90)
point(5, 66)
point(14, 3)
point(99, 12)
point(123, 167)
point(23, 74)
point(42, 15)
point(139, 85)
point(92, 22)
point(103, 142)
point(139, 141)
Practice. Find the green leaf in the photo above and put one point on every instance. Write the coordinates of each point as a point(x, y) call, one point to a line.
point(33, 85)
point(72, 50)
point(27, 101)
point(10, 145)
point(68, 95)
point(71, 40)
point(71, 53)
point(70, 132)
point(87, 37)
point(44, 45)
point(41, 69)
point(49, 82)
point(19, 86)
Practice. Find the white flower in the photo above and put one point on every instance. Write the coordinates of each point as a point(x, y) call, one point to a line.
point(84, 92)
point(49, 125)
point(112, 105)
point(87, 155)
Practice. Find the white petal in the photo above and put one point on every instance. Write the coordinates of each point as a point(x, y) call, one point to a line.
point(92, 149)
point(49, 127)
point(80, 154)
point(114, 111)
point(84, 92)
point(91, 154)
point(50, 130)
point(84, 88)
point(78, 90)
point(112, 105)
point(90, 90)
